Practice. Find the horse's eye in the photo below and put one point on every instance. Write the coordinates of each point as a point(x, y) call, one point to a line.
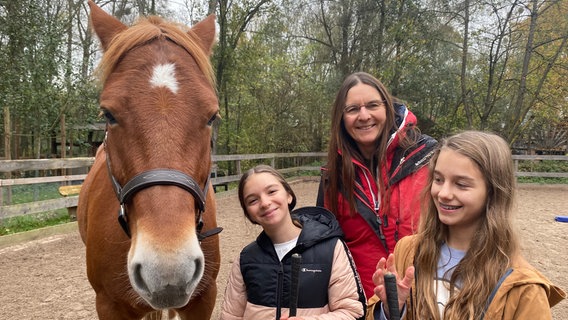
point(109, 117)
point(213, 119)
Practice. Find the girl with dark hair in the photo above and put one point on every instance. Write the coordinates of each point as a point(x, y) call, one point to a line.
point(259, 284)
point(375, 171)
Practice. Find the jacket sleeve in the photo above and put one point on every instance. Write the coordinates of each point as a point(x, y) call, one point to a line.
point(410, 191)
point(345, 292)
point(235, 298)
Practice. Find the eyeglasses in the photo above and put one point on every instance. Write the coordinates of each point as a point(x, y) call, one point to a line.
point(354, 109)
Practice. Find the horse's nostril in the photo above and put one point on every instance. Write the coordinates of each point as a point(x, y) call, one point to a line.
point(138, 279)
point(199, 268)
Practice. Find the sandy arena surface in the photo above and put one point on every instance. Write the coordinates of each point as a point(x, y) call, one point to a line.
point(46, 279)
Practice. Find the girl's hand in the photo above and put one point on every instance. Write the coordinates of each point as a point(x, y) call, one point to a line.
point(403, 285)
point(293, 318)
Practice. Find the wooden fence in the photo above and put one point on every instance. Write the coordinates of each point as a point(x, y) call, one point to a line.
point(287, 163)
point(290, 163)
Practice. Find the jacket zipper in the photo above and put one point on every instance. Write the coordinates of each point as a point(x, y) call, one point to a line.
point(377, 199)
point(376, 207)
point(279, 293)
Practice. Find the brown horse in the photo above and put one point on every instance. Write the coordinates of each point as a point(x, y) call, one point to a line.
point(153, 172)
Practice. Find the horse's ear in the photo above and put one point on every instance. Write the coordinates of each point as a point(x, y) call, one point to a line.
point(105, 25)
point(205, 31)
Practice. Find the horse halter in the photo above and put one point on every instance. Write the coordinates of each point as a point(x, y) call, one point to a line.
point(155, 177)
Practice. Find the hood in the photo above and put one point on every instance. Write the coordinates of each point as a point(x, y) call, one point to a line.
point(317, 223)
point(403, 118)
point(523, 276)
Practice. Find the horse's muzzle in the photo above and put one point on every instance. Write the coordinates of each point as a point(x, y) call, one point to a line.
point(166, 280)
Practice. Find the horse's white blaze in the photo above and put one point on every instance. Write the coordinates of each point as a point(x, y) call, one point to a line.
point(164, 75)
point(165, 274)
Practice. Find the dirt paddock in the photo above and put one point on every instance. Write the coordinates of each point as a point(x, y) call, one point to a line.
point(46, 279)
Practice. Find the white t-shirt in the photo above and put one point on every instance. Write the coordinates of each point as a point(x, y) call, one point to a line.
point(283, 248)
point(449, 259)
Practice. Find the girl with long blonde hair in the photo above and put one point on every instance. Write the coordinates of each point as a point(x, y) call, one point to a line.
point(465, 262)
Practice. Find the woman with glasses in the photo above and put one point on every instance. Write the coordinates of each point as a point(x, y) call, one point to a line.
point(376, 169)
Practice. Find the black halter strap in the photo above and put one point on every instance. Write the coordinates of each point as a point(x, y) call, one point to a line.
point(161, 177)
point(154, 177)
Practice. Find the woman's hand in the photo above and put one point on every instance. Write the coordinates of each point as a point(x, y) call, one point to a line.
point(403, 285)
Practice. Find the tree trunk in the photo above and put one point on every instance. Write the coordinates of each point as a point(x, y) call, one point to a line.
point(464, 78)
point(518, 105)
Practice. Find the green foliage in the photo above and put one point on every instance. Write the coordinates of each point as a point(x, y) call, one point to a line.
point(32, 51)
point(31, 222)
point(542, 180)
point(543, 166)
point(31, 193)
point(41, 83)
point(34, 192)
point(279, 64)
point(274, 104)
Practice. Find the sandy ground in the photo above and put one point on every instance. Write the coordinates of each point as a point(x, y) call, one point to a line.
point(45, 278)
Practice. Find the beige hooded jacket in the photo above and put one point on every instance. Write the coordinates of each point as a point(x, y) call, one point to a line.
point(525, 294)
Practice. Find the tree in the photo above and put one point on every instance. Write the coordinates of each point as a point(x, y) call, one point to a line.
point(495, 65)
point(33, 36)
point(546, 32)
point(233, 19)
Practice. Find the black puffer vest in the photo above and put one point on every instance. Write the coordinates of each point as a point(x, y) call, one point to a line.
point(268, 279)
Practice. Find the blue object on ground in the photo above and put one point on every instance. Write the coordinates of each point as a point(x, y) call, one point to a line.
point(561, 218)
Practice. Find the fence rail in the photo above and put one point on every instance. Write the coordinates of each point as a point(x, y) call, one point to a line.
point(301, 162)
point(218, 176)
